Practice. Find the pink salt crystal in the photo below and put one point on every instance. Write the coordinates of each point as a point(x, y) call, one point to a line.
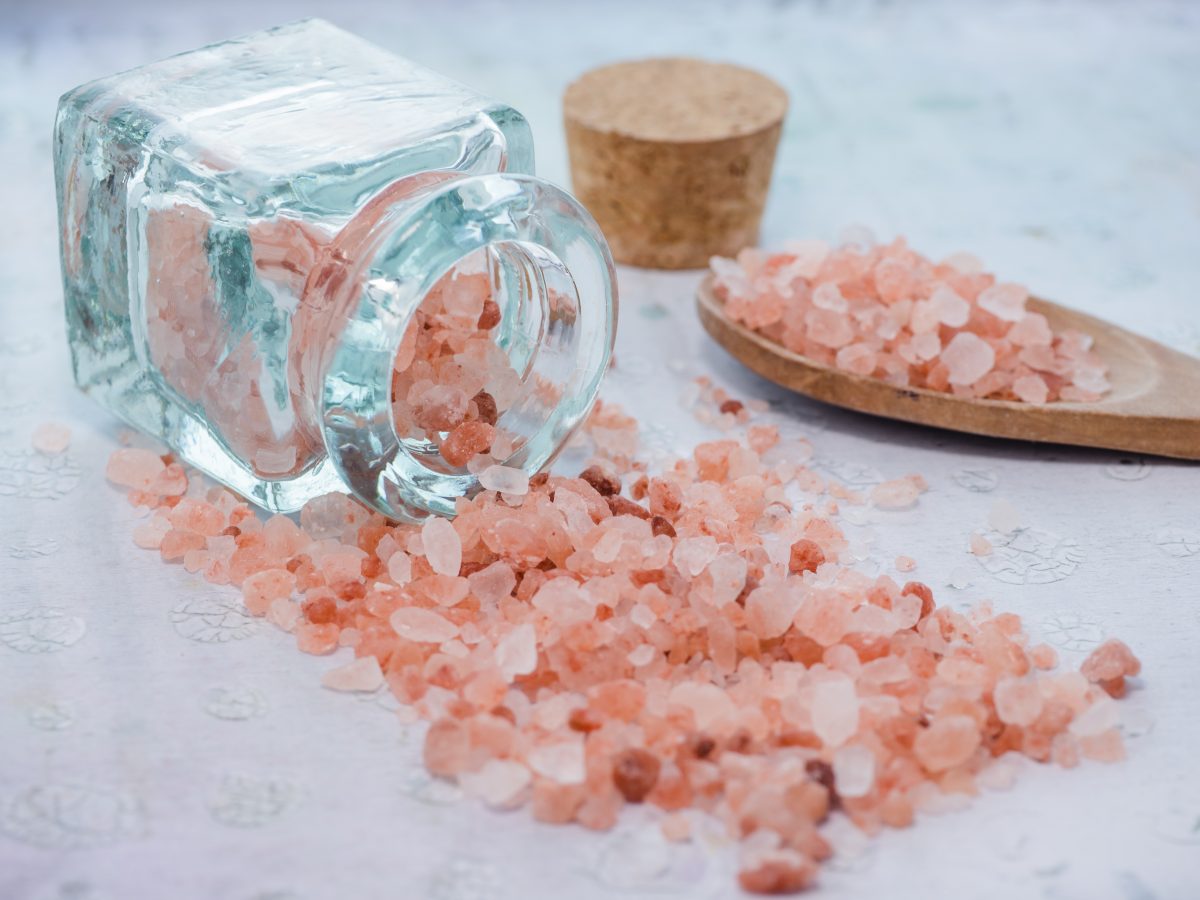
point(1018, 701)
point(1031, 389)
point(951, 309)
point(399, 567)
point(770, 609)
point(828, 328)
point(490, 585)
point(505, 480)
point(439, 407)
point(51, 438)
point(362, 675)
point(1098, 717)
point(442, 546)
point(1004, 301)
point(854, 770)
point(642, 655)
point(905, 564)
point(1104, 747)
point(1032, 329)
point(561, 600)
point(1111, 660)
point(447, 747)
point(561, 761)
point(949, 741)
point(859, 359)
point(149, 535)
point(499, 783)
point(261, 589)
point(283, 614)
point(516, 653)
point(968, 358)
point(827, 296)
point(316, 639)
point(422, 625)
point(834, 711)
point(133, 467)
point(900, 493)
point(980, 546)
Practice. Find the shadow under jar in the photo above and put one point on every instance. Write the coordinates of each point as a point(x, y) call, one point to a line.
point(275, 248)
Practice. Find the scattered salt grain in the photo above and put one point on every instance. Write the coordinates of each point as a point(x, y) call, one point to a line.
point(51, 439)
point(361, 675)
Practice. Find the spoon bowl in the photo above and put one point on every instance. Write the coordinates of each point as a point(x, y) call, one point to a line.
point(1153, 407)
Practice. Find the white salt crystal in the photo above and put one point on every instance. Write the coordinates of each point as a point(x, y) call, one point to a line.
point(516, 653)
point(422, 625)
point(360, 675)
point(1004, 517)
point(498, 783)
point(1096, 719)
point(854, 770)
point(442, 546)
point(642, 655)
point(562, 762)
point(504, 480)
point(835, 710)
point(399, 566)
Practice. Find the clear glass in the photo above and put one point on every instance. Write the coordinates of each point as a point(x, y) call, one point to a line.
point(247, 229)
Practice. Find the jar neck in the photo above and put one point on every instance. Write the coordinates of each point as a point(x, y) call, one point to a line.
point(552, 277)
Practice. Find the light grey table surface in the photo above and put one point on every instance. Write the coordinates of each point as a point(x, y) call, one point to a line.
point(155, 743)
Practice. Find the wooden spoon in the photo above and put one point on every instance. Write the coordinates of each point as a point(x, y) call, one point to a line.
point(1154, 405)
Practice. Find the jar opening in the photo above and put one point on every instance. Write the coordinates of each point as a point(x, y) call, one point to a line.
point(412, 384)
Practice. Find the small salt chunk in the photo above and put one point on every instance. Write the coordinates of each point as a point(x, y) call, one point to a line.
point(51, 438)
point(422, 625)
point(1004, 517)
point(399, 566)
point(960, 578)
point(504, 480)
point(516, 653)
point(562, 761)
point(642, 655)
point(968, 358)
point(854, 770)
point(442, 546)
point(980, 546)
point(499, 782)
point(360, 675)
point(835, 711)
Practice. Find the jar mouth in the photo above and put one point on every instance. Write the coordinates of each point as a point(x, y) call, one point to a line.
point(549, 272)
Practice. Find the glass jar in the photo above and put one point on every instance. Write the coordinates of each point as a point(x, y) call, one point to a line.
point(251, 234)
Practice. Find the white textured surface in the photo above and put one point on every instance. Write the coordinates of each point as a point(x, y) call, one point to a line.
point(154, 743)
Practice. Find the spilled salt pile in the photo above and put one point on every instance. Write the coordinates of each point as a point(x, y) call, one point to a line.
point(696, 640)
point(888, 312)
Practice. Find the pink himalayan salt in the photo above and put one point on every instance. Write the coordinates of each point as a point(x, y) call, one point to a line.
point(967, 358)
point(949, 741)
point(547, 651)
point(361, 675)
point(886, 312)
point(980, 546)
point(442, 546)
point(51, 438)
point(263, 588)
point(900, 493)
point(1018, 701)
point(133, 467)
point(504, 479)
point(905, 564)
point(422, 625)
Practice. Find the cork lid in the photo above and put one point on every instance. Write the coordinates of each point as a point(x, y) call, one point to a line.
point(675, 99)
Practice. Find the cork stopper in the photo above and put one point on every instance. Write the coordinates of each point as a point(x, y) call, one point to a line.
point(673, 156)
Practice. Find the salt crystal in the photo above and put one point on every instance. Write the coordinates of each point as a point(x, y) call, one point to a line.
point(422, 625)
point(835, 711)
point(498, 782)
point(516, 653)
point(561, 600)
point(968, 358)
point(1005, 301)
point(642, 655)
point(503, 479)
point(1031, 389)
point(980, 546)
point(949, 741)
point(1004, 517)
point(1102, 715)
point(399, 566)
point(854, 770)
point(951, 309)
point(442, 546)
point(51, 439)
point(1018, 702)
point(133, 467)
point(362, 675)
point(562, 761)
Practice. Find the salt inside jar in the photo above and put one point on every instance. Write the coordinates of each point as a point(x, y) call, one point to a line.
point(310, 266)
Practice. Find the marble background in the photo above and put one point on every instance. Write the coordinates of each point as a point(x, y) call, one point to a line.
point(155, 742)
